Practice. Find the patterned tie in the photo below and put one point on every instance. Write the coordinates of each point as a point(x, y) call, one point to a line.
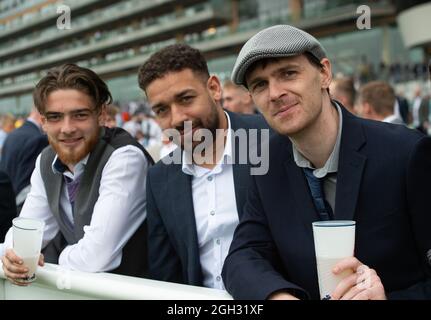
point(316, 188)
point(72, 189)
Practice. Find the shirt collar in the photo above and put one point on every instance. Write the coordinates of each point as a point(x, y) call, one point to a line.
point(59, 167)
point(390, 118)
point(189, 168)
point(331, 165)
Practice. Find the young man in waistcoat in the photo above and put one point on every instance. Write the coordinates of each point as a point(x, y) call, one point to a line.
point(89, 183)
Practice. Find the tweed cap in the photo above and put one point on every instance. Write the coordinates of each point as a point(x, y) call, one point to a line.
point(277, 41)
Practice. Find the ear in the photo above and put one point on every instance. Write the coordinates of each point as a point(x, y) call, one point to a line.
point(366, 109)
point(102, 115)
point(326, 73)
point(214, 87)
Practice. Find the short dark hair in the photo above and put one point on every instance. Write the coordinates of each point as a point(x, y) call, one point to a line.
point(71, 76)
point(173, 58)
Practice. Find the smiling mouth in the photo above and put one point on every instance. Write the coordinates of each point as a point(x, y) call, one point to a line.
point(70, 141)
point(182, 132)
point(284, 109)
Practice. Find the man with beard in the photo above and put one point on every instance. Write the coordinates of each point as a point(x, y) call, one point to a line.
point(327, 164)
point(194, 203)
point(88, 186)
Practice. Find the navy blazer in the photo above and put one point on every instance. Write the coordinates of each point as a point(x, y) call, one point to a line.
point(20, 151)
point(383, 180)
point(172, 236)
point(7, 205)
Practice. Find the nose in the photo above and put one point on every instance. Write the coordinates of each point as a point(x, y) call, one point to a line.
point(178, 116)
point(276, 90)
point(67, 126)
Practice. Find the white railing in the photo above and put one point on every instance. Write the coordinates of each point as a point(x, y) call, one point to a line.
point(54, 282)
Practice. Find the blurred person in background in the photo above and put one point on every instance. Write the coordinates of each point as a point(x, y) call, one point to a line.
point(7, 205)
point(111, 116)
point(20, 151)
point(376, 100)
point(343, 90)
point(237, 99)
point(7, 125)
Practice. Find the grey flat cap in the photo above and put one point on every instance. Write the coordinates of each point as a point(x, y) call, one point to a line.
point(277, 41)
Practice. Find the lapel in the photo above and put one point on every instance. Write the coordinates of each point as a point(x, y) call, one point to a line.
point(241, 172)
point(351, 165)
point(299, 190)
point(181, 206)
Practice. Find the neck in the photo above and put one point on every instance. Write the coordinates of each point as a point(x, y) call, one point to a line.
point(71, 167)
point(214, 152)
point(318, 140)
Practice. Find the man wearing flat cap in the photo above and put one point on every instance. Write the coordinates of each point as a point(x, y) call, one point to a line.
point(327, 164)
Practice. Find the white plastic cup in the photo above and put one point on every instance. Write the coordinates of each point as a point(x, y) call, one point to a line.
point(333, 241)
point(27, 243)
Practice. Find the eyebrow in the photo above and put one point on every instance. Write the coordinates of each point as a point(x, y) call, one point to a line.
point(177, 96)
point(289, 65)
point(74, 111)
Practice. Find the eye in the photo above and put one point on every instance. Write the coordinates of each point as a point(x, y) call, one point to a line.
point(53, 117)
point(258, 86)
point(288, 73)
point(81, 115)
point(186, 99)
point(160, 111)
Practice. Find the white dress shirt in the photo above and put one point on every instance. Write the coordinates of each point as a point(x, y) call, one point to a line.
point(215, 210)
point(118, 212)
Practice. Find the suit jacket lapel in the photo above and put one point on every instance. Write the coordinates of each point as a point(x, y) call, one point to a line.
point(298, 187)
point(241, 172)
point(180, 193)
point(351, 165)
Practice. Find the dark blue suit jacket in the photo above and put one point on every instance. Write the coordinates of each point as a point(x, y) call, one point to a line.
point(172, 237)
point(20, 150)
point(7, 205)
point(383, 180)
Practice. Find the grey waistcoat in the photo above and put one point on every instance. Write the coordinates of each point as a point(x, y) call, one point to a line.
point(134, 255)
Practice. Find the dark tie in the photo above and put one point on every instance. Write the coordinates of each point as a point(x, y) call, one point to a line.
point(316, 189)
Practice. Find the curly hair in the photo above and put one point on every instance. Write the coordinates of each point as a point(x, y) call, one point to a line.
point(71, 76)
point(173, 58)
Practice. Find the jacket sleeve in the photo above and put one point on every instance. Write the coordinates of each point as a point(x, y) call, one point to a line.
point(253, 269)
point(418, 193)
point(163, 261)
point(7, 205)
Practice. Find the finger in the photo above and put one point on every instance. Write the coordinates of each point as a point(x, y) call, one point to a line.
point(363, 282)
point(375, 292)
point(41, 260)
point(14, 275)
point(344, 286)
point(12, 257)
point(345, 264)
point(367, 278)
point(18, 283)
point(363, 295)
point(353, 292)
point(12, 267)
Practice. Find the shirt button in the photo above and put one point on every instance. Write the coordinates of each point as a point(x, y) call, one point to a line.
point(218, 278)
point(218, 241)
point(212, 213)
point(210, 178)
